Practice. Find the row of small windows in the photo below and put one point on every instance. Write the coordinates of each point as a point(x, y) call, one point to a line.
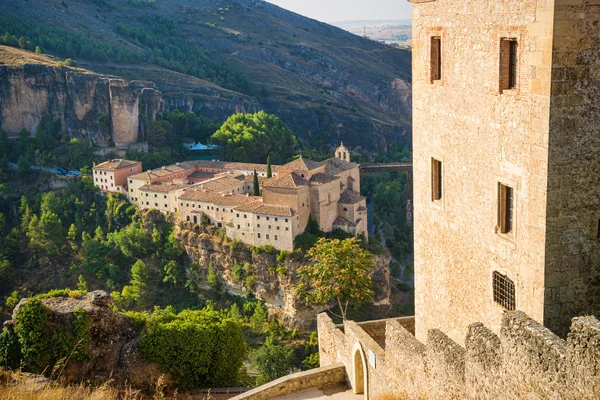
point(506, 198)
point(103, 180)
point(508, 62)
point(266, 236)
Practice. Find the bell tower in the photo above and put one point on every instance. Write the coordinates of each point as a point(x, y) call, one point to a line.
point(342, 152)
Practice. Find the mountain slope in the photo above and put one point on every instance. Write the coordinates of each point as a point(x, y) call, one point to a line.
point(325, 83)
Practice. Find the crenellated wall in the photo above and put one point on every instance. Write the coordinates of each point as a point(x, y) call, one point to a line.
point(526, 360)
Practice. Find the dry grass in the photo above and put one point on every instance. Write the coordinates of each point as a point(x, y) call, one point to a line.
point(20, 386)
point(398, 396)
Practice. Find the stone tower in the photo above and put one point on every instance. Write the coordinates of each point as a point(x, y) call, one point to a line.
point(506, 124)
point(342, 152)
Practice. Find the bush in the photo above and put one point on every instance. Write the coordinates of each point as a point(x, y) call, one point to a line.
point(43, 346)
point(198, 348)
point(272, 361)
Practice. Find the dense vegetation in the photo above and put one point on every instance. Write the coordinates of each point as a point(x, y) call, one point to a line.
point(78, 238)
point(157, 41)
point(254, 137)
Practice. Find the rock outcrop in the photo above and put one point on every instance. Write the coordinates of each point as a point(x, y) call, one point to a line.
point(272, 280)
point(113, 354)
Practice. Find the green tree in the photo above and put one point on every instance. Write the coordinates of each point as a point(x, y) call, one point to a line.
point(45, 234)
point(272, 361)
point(212, 279)
point(252, 137)
point(269, 169)
point(259, 318)
point(139, 282)
point(82, 284)
point(72, 235)
point(339, 271)
point(24, 165)
point(38, 50)
point(256, 184)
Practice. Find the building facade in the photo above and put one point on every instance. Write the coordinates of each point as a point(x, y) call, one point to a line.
point(506, 162)
point(223, 193)
point(112, 175)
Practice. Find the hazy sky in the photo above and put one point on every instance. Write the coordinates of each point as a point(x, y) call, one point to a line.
point(346, 10)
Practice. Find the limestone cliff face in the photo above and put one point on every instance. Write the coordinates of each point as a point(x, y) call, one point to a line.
point(276, 286)
point(79, 99)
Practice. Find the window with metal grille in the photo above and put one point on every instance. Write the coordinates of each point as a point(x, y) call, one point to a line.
point(505, 208)
point(509, 64)
point(436, 58)
point(436, 179)
point(504, 291)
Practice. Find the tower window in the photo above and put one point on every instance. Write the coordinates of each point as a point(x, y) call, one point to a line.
point(436, 58)
point(508, 64)
point(436, 180)
point(504, 291)
point(598, 233)
point(505, 208)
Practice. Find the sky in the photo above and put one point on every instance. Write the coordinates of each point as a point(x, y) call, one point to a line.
point(348, 10)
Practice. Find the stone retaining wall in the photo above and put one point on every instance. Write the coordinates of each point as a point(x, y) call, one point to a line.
point(318, 377)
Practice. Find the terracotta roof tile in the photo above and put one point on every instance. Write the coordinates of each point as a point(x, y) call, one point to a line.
point(321, 178)
point(301, 164)
point(349, 196)
point(287, 181)
point(114, 165)
point(335, 166)
point(163, 187)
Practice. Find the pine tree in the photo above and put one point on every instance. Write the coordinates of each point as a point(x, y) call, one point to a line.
point(256, 185)
point(82, 284)
point(234, 313)
point(269, 170)
point(72, 236)
point(139, 282)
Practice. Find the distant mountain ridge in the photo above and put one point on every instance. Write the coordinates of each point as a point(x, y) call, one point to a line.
point(325, 83)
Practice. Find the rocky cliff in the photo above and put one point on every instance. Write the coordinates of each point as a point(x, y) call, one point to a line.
point(325, 83)
point(102, 108)
point(267, 276)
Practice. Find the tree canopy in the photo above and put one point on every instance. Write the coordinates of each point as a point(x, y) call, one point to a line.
point(339, 271)
point(253, 137)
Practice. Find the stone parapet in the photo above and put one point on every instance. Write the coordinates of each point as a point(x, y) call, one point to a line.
point(318, 377)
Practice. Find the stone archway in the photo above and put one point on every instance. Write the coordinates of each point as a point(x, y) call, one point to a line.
point(360, 379)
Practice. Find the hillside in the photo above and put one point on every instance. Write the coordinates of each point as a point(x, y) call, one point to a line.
point(327, 84)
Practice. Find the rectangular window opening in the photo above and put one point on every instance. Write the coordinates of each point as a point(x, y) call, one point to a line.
point(436, 180)
point(505, 208)
point(509, 64)
point(504, 291)
point(436, 58)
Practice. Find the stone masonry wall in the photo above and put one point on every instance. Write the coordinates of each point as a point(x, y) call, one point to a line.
point(483, 136)
point(573, 220)
point(525, 360)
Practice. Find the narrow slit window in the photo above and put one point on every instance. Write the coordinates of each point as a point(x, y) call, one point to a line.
point(598, 233)
point(436, 180)
point(436, 58)
point(509, 64)
point(506, 208)
point(504, 291)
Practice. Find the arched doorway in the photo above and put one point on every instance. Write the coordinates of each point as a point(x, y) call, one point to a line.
point(360, 373)
point(195, 219)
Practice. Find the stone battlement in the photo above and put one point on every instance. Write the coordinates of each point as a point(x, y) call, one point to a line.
point(526, 360)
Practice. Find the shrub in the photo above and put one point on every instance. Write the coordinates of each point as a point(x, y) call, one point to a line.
point(198, 348)
point(236, 244)
point(272, 361)
point(237, 272)
point(44, 346)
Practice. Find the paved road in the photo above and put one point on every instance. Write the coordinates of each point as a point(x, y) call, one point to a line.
point(34, 167)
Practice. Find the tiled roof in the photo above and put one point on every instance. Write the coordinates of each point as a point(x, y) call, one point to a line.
point(250, 167)
point(334, 166)
point(162, 171)
point(266, 209)
point(206, 196)
point(163, 188)
point(349, 196)
point(287, 181)
point(207, 175)
point(341, 221)
point(250, 178)
point(114, 165)
point(222, 184)
point(321, 178)
point(301, 164)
